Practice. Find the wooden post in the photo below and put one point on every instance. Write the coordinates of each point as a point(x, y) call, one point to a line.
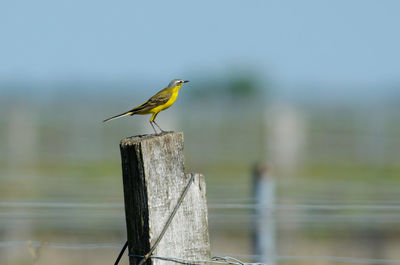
point(154, 179)
point(264, 223)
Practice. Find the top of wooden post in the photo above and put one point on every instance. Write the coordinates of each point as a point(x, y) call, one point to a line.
point(131, 140)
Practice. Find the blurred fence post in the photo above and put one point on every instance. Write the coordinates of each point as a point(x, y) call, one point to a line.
point(154, 179)
point(264, 222)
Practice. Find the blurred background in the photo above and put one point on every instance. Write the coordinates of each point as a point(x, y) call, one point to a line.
point(292, 114)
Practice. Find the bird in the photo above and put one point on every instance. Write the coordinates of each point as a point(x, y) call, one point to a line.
point(159, 102)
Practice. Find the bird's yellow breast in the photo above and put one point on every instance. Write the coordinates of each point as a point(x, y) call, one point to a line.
point(169, 103)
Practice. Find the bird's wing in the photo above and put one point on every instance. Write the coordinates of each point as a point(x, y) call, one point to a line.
point(158, 99)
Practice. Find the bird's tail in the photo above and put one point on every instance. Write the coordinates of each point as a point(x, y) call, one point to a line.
point(119, 116)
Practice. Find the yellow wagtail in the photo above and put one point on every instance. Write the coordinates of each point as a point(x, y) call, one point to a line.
point(160, 101)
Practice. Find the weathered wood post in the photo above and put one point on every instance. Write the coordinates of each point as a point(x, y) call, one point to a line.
point(154, 179)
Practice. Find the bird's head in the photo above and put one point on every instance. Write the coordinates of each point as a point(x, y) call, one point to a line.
point(177, 83)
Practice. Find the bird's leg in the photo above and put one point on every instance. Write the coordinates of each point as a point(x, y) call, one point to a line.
point(152, 120)
point(151, 123)
point(159, 127)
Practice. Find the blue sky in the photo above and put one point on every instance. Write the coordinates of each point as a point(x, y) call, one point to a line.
point(352, 42)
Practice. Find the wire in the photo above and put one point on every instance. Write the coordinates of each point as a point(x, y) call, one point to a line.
point(372, 207)
point(178, 204)
point(72, 246)
point(217, 260)
point(234, 261)
point(121, 253)
point(333, 207)
point(169, 220)
point(59, 205)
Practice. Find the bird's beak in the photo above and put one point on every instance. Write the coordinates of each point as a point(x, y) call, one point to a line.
point(186, 81)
